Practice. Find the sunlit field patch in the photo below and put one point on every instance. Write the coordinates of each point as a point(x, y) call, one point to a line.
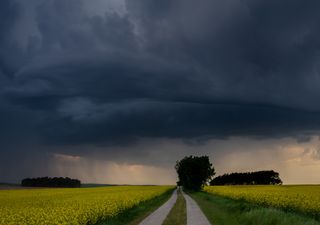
point(73, 205)
point(301, 198)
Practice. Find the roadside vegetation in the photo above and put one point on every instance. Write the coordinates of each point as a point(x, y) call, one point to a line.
point(294, 198)
point(138, 213)
point(194, 172)
point(178, 214)
point(224, 211)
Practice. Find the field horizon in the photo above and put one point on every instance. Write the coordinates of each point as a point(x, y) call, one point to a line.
point(159, 112)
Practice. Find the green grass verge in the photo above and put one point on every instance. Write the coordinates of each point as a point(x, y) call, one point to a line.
point(178, 214)
point(224, 211)
point(136, 214)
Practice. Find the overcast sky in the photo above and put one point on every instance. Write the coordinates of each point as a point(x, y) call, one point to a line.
point(115, 91)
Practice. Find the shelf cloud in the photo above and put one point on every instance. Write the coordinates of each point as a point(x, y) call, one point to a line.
point(100, 78)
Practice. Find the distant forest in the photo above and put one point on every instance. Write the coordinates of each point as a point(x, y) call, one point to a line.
point(50, 182)
point(259, 177)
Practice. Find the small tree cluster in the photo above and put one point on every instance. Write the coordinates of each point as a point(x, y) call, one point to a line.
point(50, 182)
point(194, 172)
point(259, 177)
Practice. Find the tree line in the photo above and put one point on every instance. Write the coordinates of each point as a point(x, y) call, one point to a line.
point(257, 178)
point(50, 182)
point(195, 172)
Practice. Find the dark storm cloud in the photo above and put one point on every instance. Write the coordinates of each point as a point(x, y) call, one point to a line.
point(9, 13)
point(176, 69)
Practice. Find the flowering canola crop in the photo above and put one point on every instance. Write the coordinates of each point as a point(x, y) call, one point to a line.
point(71, 205)
point(302, 198)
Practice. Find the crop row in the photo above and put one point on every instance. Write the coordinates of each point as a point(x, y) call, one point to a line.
point(302, 198)
point(71, 206)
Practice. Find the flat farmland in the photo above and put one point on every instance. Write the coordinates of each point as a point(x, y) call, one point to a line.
point(295, 198)
point(72, 205)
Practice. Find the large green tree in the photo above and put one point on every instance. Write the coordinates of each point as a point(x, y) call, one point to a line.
point(194, 172)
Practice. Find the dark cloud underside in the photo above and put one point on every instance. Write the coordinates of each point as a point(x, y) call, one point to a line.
point(84, 72)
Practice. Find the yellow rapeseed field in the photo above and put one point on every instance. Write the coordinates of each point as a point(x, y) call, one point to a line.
point(303, 198)
point(71, 205)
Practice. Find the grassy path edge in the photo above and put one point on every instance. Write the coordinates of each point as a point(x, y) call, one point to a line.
point(178, 213)
point(225, 211)
point(135, 215)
